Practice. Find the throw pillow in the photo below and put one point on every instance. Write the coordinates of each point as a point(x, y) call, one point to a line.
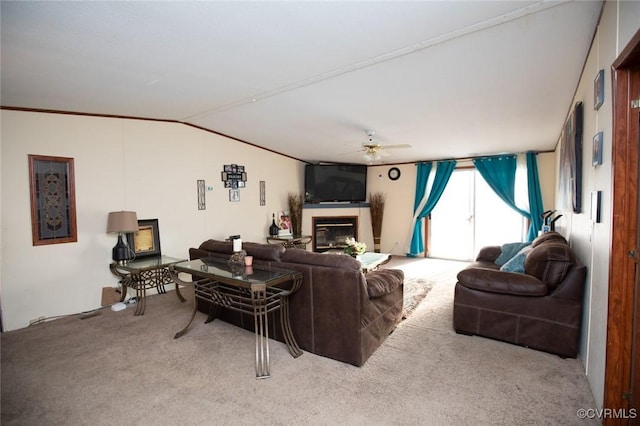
point(516, 263)
point(508, 251)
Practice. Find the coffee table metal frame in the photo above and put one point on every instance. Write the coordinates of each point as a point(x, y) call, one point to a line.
point(143, 274)
point(292, 241)
point(252, 290)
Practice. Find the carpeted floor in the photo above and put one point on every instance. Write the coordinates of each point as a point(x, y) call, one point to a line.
point(115, 368)
point(415, 290)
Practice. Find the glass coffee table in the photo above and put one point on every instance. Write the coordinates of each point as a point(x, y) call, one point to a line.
point(249, 289)
point(369, 260)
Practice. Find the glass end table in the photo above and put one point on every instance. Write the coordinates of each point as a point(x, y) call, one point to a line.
point(143, 274)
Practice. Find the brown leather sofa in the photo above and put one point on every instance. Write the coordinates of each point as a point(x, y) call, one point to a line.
point(540, 308)
point(339, 312)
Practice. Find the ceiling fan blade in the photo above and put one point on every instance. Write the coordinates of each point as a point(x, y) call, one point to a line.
point(402, 145)
point(357, 151)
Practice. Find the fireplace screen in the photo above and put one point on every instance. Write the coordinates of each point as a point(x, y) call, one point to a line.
point(332, 232)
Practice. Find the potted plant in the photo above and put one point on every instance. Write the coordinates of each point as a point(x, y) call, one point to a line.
point(354, 248)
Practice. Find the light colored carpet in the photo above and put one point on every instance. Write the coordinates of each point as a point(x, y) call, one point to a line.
point(119, 369)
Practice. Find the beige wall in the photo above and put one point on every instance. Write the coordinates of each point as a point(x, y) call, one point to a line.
point(591, 242)
point(145, 166)
point(398, 209)
point(151, 168)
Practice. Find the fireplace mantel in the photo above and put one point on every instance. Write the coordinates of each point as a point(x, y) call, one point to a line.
point(334, 205)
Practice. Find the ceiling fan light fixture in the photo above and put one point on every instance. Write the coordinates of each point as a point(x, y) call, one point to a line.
point(371, 155)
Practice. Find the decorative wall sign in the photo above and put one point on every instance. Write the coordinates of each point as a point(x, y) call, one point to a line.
point(598, 90)
point(234, 177)
point(234, 195)
point(202, 204)
point(53, 200)
point(263, 196)
point(596, 201)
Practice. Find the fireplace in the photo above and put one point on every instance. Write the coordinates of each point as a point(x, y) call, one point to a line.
point(330, 232)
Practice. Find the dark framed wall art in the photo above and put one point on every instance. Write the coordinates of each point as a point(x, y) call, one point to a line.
point(596, 154)
point(53, 200)
point(598, 90)
point(202, 203)
point(570, 173)
point(596, 201)
point(145, 242)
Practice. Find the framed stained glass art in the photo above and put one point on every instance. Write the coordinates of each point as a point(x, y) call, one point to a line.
point(53, 200)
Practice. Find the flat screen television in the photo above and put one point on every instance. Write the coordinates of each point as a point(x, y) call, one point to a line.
point(335, 183)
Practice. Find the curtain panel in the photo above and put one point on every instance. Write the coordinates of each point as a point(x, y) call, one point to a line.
point(424, 203)
point(500, 174)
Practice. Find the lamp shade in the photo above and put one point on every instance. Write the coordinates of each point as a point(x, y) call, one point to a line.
point(122, 222)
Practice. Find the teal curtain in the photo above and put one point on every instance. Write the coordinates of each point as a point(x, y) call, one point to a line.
point(423, 172)
point(423, 207)
point(500, 173)
point(535, 196)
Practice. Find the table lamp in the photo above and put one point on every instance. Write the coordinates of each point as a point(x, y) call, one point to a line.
point(122, 222)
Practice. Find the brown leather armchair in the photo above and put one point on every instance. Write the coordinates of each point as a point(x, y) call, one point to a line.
point(540, 309)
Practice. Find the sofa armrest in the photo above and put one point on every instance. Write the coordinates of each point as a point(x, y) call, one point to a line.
point(489, 254)
point(502, 282)
point(383, 281)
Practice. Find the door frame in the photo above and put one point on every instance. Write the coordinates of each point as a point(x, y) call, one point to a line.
point(624, 215)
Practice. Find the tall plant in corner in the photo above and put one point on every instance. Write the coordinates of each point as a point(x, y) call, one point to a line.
point(295, 212)
point(376, 208)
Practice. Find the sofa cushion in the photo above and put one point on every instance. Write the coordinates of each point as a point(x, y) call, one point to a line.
point(501, 282)
point(383, 281)
point(260, 251)
point(319, 259)
point(548, 236)
point(488, 254)
point(549, 262)
point(508, 251)
point(217, 246)
point(516, 263)
point(264, 251)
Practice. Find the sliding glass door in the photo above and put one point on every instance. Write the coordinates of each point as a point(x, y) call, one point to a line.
point(470, 216)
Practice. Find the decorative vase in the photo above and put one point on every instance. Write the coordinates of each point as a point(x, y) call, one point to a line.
point(376, 244)
point(376, 208)
point(295, 213)
point(273, 229)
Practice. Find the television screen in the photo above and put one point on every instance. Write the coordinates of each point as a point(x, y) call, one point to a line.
point(335, 183)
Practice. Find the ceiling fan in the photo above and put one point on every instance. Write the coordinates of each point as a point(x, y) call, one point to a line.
point(373, 151)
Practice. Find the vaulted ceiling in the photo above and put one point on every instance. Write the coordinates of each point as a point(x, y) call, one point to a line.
point(307, 79)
